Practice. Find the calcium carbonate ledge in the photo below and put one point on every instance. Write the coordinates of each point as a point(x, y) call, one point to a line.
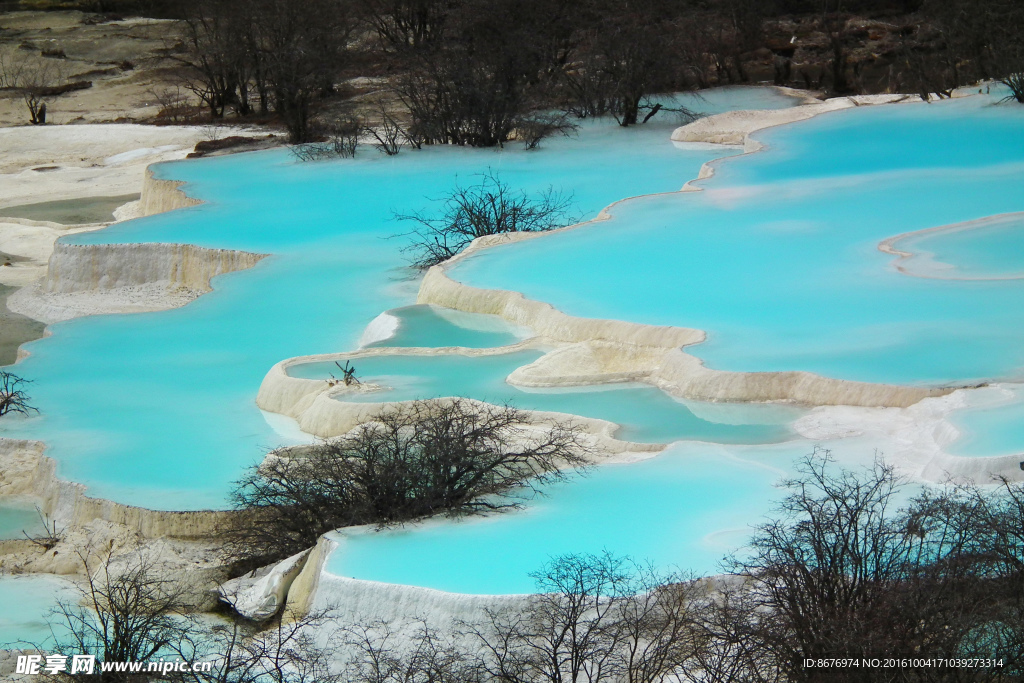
point(903, 258)
point(404, 608)
point(319, 407)
point(599, 351)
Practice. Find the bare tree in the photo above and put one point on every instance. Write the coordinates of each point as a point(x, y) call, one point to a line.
point(389, 133)
point(489, 207)
point(124, 614)
point(595, 618)
point(375, 655)
point(13, 398)
point(489, 76)
point(338, 139)
point(407, 24)
point(415, 460)
point(51, 535)
point(284, 54)
point(12, 66)
point(38, 80)
point(833, 23)
point(293, 649)
point(842, 571)
point(626, 51)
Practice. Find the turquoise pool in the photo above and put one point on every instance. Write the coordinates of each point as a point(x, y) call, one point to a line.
point(644, 413)
point(685, 508)
point(158, 410)
point(996, 427)
point(16, 520)
point(27, 603)
point(778, 258)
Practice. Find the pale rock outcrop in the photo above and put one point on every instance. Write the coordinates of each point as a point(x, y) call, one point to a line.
point(303, 593)
point(91, 267)
point(91, 544)
point(735, 127)
point(261, 594)
point(88, 279)
point(320, 408)
point(159, 196)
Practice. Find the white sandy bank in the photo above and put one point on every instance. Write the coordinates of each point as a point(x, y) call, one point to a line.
point(735, 127)
point(46, 163)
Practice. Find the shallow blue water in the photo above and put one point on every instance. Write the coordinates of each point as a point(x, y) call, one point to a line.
point(685, 508)
point(645, 414)
point(15, 521)
point(158, 409)
point(989, 248)
point(25, 609)
point(778, 258)
point(989, 430)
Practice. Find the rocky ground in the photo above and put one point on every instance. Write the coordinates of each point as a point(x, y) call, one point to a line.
point(126, 63)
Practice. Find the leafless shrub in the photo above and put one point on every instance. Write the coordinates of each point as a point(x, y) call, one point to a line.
point(339, 140)
point(595, 618)
point(288, 651)
point(533, 129)
point(1015, 82)
point(375, 656)
point(121, 615)
point(489, 207)
point(415, 460)
point(51, 535)
point(37, 79)
point(390, 134)
point(13, 398)
point(12, 66)
point(175, 106)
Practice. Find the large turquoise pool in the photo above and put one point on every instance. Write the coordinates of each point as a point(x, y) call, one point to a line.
point(683, 509)
point(158, 409)
point(778, 258)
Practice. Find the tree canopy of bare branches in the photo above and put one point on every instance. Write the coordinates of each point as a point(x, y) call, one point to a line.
point(594, 618)
point(13, 398)
point(263, 55)
point(418, 459)
point(123, 614)
point(845, 570)
point(287, 651)
point(489, 207)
